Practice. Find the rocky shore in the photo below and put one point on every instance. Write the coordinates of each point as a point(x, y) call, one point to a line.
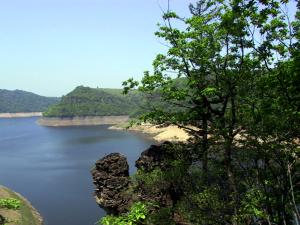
point(20, 115)
point(82, 121)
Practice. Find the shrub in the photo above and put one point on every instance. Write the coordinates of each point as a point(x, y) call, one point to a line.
point(10, 203)
point(137, 213)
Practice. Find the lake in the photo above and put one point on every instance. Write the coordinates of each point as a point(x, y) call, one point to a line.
point(50, 166)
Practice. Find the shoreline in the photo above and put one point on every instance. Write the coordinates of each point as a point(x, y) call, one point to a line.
point(20, 115)
point(27, 214)
point(160, 134)
point(82, 121)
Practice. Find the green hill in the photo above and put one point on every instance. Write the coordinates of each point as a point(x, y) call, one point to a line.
point(85, 101)
point(22, 101)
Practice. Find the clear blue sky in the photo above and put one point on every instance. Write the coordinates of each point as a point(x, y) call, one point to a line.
point(51, 46)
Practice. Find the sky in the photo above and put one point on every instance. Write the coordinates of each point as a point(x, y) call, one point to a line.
point(51, 46)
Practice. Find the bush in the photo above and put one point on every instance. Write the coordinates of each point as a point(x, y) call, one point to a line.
point(137, 213)
point(10, 203)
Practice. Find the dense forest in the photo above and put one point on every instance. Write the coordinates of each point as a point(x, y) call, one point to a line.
point(240, 60)
point(22, 101)
point(86, 101)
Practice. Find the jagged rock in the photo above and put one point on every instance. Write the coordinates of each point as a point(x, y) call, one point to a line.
point(165, 192)
point(111, 177)
point(114, 190)
point(113, 164)
point(155, 156)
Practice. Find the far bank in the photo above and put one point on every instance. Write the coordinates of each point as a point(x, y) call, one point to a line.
point(20, 114)
point(82, 121)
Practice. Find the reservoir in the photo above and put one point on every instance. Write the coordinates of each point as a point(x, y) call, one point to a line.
point(51, 166)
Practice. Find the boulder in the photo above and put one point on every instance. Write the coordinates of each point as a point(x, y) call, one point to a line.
point(111, 178)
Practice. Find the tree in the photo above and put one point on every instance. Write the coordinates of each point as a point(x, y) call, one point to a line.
point(236, 90)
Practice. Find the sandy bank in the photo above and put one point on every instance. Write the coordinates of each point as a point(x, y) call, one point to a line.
point(20, 115)
point(82, 121)
point(26, 215)
point(160, 134)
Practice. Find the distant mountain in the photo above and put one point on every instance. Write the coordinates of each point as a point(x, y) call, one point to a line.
point(86, 101)
point(23, 101)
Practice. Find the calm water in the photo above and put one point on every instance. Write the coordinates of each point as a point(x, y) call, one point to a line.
point(51, 166)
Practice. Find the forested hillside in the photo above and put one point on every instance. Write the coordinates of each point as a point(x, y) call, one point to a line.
point(22, 101)
point(85, 101)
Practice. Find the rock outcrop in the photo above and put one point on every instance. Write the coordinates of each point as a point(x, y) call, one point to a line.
point(155, 156)
point(111, 178)
point(163, 192)
point(115, 191)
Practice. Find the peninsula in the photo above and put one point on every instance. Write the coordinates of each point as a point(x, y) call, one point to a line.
point(91, 106)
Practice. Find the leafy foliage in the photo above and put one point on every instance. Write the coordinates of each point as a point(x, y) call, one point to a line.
point(10, 203)
point(238, 62)
point(137, 213)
